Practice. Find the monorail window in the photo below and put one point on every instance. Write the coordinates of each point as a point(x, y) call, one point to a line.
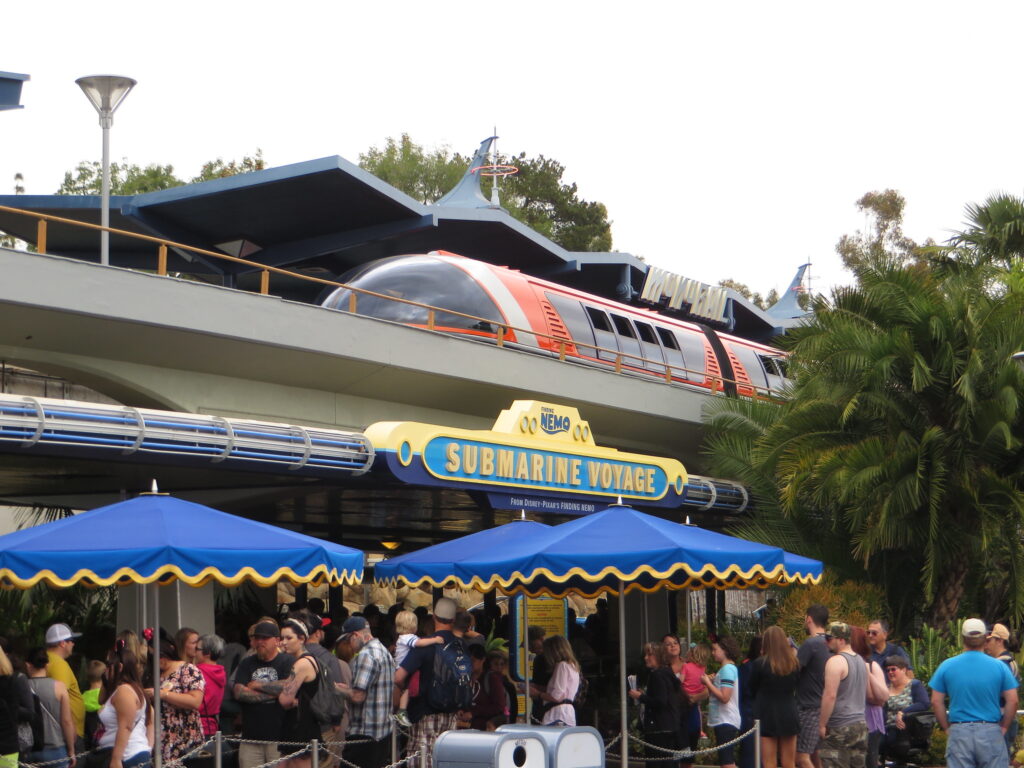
point(668, 339)
point(623, 326)
point(424, 280)
point(599, 319)
point(646, 332)
point(571, 312)
point(774, 366)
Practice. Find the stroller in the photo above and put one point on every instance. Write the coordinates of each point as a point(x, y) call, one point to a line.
point(910, 746)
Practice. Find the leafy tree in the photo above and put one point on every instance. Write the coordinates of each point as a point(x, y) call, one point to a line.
point(901, 438)
point(405, 165)
point(125, 179)
point(754, 298)
point(886, 238)
point(536, 195)
point(131, 179)
point(218, 169)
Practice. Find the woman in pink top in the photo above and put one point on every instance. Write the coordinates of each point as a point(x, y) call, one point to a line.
point(695, 691)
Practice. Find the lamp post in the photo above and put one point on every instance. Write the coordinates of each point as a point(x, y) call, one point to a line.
point(105, 92)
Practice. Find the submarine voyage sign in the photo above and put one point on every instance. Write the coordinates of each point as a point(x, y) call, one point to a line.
point(535, 448)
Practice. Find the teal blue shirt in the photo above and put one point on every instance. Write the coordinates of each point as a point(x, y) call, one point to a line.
point(974, 682)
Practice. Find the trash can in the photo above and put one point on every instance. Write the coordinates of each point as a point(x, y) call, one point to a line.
point(566, 747)
point(489, 749)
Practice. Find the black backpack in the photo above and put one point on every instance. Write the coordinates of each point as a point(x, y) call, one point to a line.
point(326, 704)
point(451, 689)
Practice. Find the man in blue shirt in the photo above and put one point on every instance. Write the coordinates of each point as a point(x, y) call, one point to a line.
point(881, 648)
point(975, 722)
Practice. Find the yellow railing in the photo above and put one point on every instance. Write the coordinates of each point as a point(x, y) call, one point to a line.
point(620, 360)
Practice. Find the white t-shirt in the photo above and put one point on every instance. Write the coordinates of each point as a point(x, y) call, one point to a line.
point(728, 713)
point(405, 642)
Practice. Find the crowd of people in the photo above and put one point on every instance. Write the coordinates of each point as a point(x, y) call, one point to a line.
point(843, 698)
point(346, 684)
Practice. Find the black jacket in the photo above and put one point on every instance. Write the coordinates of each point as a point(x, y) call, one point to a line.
point(663, 702)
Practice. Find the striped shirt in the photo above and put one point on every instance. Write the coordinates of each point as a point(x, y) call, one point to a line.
point(373, 671)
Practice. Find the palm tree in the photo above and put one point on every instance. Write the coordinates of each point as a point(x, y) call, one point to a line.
point(995, 229)
point(901, 436)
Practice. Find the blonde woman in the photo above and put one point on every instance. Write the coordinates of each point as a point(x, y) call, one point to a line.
point(563, 683)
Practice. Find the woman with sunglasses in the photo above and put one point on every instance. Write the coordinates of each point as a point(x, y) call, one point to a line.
point(906, 696)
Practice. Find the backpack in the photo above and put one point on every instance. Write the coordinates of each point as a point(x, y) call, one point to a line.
point(581, 693)
point(31, 737)
point(451, 689)
point(326, 704)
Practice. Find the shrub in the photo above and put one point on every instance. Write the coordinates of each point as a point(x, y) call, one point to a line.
point(855, 602)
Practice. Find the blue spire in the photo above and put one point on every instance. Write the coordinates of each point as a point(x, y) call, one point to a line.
point(788, 306)
point(467, 194)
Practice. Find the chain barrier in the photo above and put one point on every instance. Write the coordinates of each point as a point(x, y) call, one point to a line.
point(350, 764)
point(675, 754)
point(77, 757)
point(670, 754)
point(237, 740)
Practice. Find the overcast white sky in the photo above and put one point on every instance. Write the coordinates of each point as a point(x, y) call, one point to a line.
point(727, 139)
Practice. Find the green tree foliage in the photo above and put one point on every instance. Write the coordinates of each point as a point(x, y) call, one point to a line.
point(131, 179)
point(754, 298)
point(125, 179)
point(885, 236)
point(995, 229)
point(536, 195)
point(218, 169)
point(405, 165)
point(901, 441)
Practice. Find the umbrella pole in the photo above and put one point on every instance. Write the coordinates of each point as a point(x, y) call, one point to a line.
point(622, 674)
point(688, 641)
point(526, 655)
point(155, 650)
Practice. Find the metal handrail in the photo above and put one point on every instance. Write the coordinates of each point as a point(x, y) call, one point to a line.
point(717, 381)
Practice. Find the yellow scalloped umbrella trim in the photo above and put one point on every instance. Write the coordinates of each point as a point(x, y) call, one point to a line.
point(708, 576)
point(167, 573)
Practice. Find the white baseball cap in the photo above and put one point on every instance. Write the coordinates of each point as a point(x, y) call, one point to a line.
point(974, 628)
point(58, 633)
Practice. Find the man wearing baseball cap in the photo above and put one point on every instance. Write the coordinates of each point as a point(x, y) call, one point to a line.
point(60, 642)
point(369, 696)
point(842, 730)
point(259, 679)
point(997, 646)
point(976, 722)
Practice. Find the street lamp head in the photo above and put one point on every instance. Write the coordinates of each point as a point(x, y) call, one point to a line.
point(106, 92)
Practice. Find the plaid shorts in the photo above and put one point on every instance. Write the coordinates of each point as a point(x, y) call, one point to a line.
point(807, 741)
point(424, 733)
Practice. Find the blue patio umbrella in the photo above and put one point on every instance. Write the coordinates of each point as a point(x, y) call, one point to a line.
point(620, 549)
point(616, 550)
point(156, 539)
point(484, 560)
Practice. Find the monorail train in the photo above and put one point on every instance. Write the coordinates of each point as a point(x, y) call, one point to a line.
point(515, 309)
